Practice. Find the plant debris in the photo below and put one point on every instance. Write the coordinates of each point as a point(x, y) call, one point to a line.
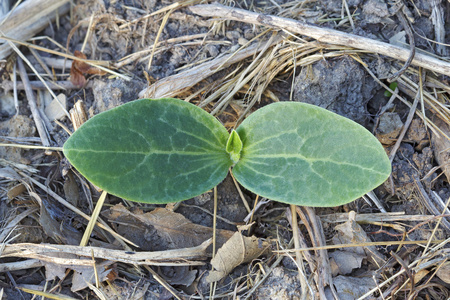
point(237, 250)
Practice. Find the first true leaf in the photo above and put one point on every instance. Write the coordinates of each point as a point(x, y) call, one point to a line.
point(154, 151)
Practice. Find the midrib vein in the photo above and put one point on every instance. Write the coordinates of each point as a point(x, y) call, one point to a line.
point(308, 160)
point(158, 152)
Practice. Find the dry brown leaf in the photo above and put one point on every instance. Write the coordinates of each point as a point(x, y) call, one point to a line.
point(389, 128)
point(16, 191)
point(84, 275)
point(53, 270)
point(126, 290)
point(171, 230)
point(80, 68)
point(9, 173)
point(54, 111)
point(442, 147)
point(53, 223)
point(59, 231)
point(76, 73)
point(237, 250)
point(351, 288)
point(418, 277)
point(179, 275)
point(444, 272)
point(70, 187)
point(351, 232)
point(343, 262)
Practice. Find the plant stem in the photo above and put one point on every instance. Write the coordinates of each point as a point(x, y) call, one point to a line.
point(298, 254)
point(213, 285)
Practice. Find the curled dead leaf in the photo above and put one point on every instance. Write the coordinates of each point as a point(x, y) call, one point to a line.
point(80, 68)
point(444, 272)
point(237, 250)
point(351, 232)
point(83, 276)
point(442, 146)
point(169, 229)
point(343, 262)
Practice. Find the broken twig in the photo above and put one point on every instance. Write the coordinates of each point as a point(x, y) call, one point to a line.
point(32, 102)
point(28, 19)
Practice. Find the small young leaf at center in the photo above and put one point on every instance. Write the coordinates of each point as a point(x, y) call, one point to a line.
point(234, 146)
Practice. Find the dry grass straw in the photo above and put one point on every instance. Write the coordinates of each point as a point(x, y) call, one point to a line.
point(159, 47)
point(45, 294)
point(366, 244)
point(100, 64)
point(436, 102)
point(158, 34)
point(298, 255)
point(167, 11)
point(435, 257)
point(9, 224)
point(376, 218)
point(173, 6)
point(93, 220)
point(22, 56)
point(254, 80)
point(102, 224)
point(76, 255)
point(213, 285)
point(163, 282)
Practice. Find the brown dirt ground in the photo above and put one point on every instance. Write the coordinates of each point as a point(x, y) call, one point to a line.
point(329, 76)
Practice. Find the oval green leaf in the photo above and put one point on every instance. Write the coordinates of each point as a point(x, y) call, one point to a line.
point(153, 151)
point(302, 154)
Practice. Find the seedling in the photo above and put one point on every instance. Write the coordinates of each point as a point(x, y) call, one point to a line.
point(392, 86)
point(167, 150)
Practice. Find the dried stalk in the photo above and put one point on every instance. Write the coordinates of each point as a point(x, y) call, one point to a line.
point(28, 19)
point(43, 133)
point(11, 224)
point(43, 252)
point(323, 263)
point(39, 85)
point(298, 254)
point(20, 265)
point(380, 217)
point(325, 35)
point(171, 85)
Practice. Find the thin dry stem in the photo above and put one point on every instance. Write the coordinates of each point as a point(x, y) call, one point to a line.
point(93, 220)
point(158, 34)
point(325, 35)
point(43, 133)
point(176, 257)
point(298, 254)
point(102, 224)
point(367, 244)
